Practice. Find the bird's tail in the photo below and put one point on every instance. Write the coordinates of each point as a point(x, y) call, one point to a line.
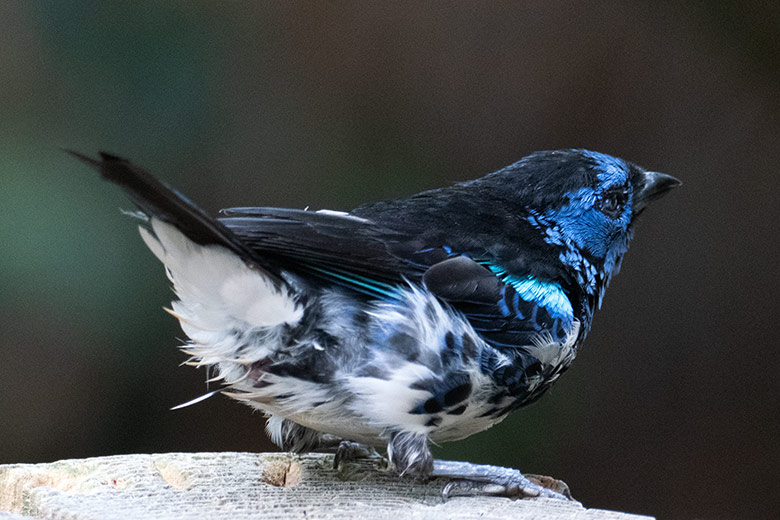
point(157, 200)
point(222, 284)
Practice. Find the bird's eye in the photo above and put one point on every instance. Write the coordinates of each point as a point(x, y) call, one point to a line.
point(613, 201)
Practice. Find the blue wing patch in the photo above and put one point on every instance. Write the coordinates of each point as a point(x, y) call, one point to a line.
point(359, 283)
point(548, 295)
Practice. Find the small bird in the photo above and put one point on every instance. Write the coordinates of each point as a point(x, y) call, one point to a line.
point(402, 322)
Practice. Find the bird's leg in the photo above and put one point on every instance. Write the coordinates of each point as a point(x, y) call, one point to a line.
point(299, 439)
point(409, 454)
point(481, 479)
point(293, 437)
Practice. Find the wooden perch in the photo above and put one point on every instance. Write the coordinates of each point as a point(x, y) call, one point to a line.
point(247, 485)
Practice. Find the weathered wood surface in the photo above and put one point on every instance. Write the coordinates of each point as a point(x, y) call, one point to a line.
point(247, 485)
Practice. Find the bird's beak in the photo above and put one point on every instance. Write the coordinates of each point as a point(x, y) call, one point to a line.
point(655, 186)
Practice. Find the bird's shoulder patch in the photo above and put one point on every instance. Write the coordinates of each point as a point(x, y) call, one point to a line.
point(507, 310)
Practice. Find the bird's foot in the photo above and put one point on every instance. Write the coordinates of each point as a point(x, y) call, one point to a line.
point(480, 479)
point(348, 451)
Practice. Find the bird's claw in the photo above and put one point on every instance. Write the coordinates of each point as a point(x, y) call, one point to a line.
point(553, 484)
point(348, 451)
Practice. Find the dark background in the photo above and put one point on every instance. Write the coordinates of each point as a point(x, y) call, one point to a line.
point(672, 408)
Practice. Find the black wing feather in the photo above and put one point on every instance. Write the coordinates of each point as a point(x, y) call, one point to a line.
point(323, 240)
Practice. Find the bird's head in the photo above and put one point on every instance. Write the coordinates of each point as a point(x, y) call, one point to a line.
point(585, 203)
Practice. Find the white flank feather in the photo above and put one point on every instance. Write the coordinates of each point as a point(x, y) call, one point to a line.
point(217, 289)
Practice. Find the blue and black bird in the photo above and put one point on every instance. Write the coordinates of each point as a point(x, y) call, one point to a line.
point(403, 322)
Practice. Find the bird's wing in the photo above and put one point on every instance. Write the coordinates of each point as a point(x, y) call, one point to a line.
point(343, 249)
point(364, 256)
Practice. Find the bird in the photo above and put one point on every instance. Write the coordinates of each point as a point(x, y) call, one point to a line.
point(402, 322)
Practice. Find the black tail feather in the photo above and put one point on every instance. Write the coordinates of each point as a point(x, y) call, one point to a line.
point(159, 201)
